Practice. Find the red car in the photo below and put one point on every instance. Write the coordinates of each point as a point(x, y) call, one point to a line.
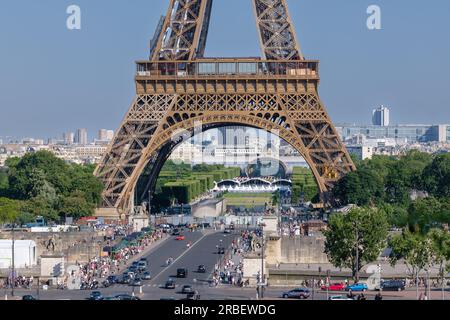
point(335, 287)
point(180, 238)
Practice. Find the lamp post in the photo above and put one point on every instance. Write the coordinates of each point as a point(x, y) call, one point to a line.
point(13, 266)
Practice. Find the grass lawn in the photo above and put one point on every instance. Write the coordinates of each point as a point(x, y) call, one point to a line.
point(248, 200)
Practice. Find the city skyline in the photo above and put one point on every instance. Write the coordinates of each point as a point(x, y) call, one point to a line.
point(100, 69)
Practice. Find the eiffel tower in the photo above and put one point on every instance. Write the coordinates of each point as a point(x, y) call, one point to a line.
point(178, 88)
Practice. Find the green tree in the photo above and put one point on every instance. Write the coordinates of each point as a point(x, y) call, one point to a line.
point(416, 250)
point(75, 206)
point(9, 210)
point(428, 213)
point(436, 176)
point(441, 249)
point(356, 238)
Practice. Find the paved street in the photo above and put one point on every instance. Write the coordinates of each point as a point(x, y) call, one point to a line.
point(202, 251)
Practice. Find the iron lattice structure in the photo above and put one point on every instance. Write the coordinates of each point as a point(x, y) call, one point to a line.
point(178, 89)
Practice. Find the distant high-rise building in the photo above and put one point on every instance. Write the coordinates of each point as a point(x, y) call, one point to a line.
point(82, 137)
point(69, 138)
point(105, 135)
point(380, 117)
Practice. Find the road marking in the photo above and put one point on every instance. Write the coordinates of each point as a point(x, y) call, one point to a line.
point(182, 255)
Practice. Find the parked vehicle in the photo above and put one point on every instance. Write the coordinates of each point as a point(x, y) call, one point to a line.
point(393, 285)
point(146, 275)
point(221, 250)
point(334, 287)
point(111, 280)
point(136, 282)
point(357, 287)
point(299, 293)
point(142, 266)
point(28, 298)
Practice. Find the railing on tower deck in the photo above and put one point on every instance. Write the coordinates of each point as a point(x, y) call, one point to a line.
point(228, 68)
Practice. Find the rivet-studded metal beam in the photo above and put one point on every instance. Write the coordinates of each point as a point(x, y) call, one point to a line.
point(276, 31)
point(183, 35)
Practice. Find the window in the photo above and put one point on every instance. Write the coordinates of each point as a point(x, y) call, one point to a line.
point(206, 68)
point(227, 68)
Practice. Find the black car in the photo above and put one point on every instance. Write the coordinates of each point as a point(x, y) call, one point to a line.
point(136, 282)
point(111, 280)
point(182, 273)
point(96, 296)
point(146, 276)
point(393, 285)
point(201, 269)
point(28, 298)
point(187, 289)
point(176, 232)
point(170, 284)
point(221, 250)
point(192, 296)
point(126, 297)
point(133, 269)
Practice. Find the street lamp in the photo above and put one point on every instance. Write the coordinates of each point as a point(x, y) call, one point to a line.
point(13, 265)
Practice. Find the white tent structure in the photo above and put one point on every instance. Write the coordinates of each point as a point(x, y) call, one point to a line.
point(24, 254)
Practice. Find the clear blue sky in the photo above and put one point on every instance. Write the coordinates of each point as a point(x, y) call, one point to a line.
point(54, 80)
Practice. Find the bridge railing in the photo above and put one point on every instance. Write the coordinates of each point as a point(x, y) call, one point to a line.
point(228, 68)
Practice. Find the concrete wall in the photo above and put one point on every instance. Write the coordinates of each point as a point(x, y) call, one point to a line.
point(303, 250)
point(75, 246)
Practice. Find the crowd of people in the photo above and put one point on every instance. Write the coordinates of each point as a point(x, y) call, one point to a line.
point(19, 282)
point(102, 267)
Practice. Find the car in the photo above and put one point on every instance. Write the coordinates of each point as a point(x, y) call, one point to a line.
point(144, 260)
point(334, 287)
point(339, 298)
point(111, 280)
point(135, 264)
point(28, 297)
point(146, 276)
point(96, 296)
point(192, 296)
point(176, 232)
point(125, 279)
point(126, 297)
point(393, 285)
point(133, 269)
point(180, 238)
point(201, 269)
point(299, 293)
point(205, 225)
point(357, 287)
point(142, 266)
point(136, 282)
point(110, 298)
point(227, 231)
point(221, 250)
point(187, 289)
point(182, 273)
point(170, 284)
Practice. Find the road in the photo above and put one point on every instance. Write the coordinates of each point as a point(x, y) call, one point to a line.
point(202, 251)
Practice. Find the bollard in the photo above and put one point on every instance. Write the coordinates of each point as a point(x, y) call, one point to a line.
point(140, 290)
